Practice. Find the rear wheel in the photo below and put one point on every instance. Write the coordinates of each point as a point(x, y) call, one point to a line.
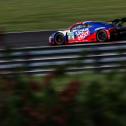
point(59, 38)
point(102, 36)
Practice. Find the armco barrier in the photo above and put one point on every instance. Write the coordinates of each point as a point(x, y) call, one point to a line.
point(100, 57)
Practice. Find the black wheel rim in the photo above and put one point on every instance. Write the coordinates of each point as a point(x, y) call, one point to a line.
point(59, 39)
point(102, 36)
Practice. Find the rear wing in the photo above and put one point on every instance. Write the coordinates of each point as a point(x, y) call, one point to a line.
point(119, 22)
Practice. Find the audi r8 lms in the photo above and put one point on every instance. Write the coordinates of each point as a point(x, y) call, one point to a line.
point(90, 31)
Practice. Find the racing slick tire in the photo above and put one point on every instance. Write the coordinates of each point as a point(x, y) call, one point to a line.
point(59, 38)
point(101, 36)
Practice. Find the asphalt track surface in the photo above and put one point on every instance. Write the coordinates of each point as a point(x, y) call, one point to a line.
point(26, 39)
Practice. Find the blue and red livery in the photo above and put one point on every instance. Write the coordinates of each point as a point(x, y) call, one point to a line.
point(89, 31)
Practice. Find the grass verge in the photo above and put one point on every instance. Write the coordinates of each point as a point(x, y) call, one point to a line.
point(22, 15)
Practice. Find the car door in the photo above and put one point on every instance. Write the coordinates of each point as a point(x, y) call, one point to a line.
point(79, 32)
point(74, 31)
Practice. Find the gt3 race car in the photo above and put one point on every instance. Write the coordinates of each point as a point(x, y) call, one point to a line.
point(90, 31)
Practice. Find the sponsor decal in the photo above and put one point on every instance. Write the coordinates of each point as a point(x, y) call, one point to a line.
point(79, 32)
point(83, 35)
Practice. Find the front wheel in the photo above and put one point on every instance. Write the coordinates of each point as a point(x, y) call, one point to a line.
point(59, 38)
point(102, 36)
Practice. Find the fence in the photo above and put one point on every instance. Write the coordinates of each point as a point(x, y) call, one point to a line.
point(102, 57)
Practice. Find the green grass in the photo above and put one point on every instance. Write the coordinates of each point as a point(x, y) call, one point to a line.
point(29, 15)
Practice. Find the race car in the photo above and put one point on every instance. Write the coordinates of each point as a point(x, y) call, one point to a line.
point(90, 31)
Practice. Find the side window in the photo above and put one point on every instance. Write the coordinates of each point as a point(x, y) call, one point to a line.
point(86, 26)
point(80, 26)
point(77, 27)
